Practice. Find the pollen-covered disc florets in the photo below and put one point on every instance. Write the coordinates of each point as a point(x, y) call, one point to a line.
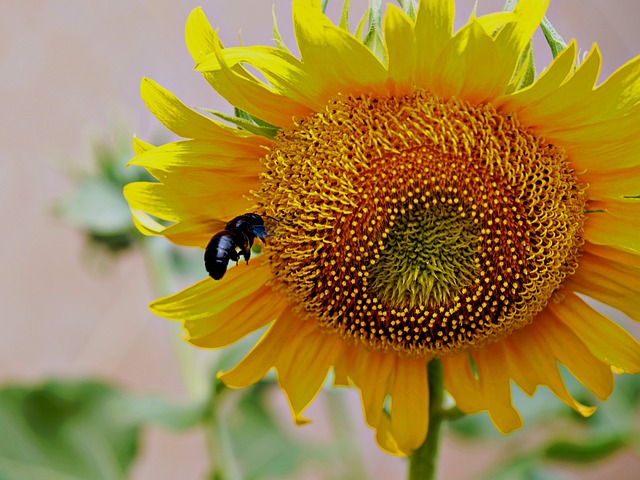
point(420, 225)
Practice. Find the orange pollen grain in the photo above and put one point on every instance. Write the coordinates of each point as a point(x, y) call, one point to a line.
point(417, 225)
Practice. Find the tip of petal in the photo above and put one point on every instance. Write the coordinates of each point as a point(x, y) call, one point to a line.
point(300, 421)
point(585, 411)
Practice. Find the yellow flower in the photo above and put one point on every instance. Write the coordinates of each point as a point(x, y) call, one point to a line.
point(428, 206)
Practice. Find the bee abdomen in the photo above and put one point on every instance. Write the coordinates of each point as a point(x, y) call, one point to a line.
point(219, 251)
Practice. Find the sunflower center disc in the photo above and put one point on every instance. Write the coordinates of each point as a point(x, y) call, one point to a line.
point(419, 225)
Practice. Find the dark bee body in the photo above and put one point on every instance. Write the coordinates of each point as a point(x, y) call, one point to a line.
point(235, 240)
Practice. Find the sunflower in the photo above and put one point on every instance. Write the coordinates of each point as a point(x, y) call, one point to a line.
point(430, 203)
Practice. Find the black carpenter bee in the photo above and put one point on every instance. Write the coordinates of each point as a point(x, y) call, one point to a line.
point(236, 239)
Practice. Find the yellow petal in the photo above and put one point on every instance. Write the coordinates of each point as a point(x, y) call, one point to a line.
point(461, 383)
point(283, 71)
point(487, 392)
point(547, 83)
point(496, 389)
point(613, 254)
point(401, 49)
point(140, 146)
point(478, 67)
point(155, 199)
point(373, 389)
point(530, 363)
point(234, 83)
point(353, 68)
point(515, 36)
point(385, 439)
point(193, 232)
point(183, 121)
point(619, 94)
point(218, 156)
point(614, 184)
point(282, 335)
point(607, 284)
point(433, 30)
point(209, 297)
point(199, 36)
point(494, 21)
point(606, 339)
point(470, 66)
point(146, 224)
point(238, 319)
point(563, 106)
point(409, 404)
point(302, 369)
point(614, 223)
point(247, 93)
point(571, 351)
point(343, 367)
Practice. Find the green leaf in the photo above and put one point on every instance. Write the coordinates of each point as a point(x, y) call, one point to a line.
point(77, 430)
point(554, 39)
point(589, 451)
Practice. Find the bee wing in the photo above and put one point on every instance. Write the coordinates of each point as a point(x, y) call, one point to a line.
point(270, 228)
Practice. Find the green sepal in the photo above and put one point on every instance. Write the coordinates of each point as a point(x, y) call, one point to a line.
point(246, 122)
point(554, 39)
point(276, 32)
point(509, 5)
point(409, 7)
point(359, 33)
point(344, 16)
point(525, 71)
point(373, 37)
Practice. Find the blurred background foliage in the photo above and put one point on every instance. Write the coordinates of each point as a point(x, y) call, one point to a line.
point(88, 429)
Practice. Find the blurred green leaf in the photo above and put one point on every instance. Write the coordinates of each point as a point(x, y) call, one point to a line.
point(97, 206)
point(78, 430)
point(266, 449)
point(588, 451)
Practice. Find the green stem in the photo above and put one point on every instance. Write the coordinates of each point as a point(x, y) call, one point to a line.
point(424, 461)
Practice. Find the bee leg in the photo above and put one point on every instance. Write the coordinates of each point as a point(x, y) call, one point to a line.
point(247, 255)
point(233, 256)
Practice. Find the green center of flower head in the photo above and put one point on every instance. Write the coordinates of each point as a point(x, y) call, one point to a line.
point(419, 225)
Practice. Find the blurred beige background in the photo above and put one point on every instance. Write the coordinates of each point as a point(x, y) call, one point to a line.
point(70, 71)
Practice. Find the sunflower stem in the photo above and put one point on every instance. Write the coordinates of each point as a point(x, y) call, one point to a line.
point(424, 461)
